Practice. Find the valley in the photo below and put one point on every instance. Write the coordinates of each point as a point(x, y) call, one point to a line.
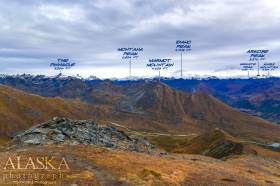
point(141, 132)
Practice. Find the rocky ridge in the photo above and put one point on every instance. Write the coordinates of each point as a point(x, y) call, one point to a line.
point(75, 132)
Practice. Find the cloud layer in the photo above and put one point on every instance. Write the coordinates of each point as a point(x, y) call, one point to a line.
point(35, 33)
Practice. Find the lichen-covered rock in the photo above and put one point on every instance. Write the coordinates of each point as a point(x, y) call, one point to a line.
point(73, 132)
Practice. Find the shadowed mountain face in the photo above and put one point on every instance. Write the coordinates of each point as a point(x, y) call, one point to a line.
point(143, 105)
point(258, 97)
point(196, 110)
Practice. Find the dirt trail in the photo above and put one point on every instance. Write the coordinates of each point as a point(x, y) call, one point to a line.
point(149, 133)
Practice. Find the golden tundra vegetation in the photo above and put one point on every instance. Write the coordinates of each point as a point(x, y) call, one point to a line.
point(158, 108)
point(188, 146)
point(91, 165)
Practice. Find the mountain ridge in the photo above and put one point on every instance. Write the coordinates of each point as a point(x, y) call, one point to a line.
point(146, 106)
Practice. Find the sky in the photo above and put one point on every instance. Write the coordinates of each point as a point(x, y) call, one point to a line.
point(34, 34)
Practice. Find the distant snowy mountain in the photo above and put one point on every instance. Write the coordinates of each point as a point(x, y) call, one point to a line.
point(256, 96)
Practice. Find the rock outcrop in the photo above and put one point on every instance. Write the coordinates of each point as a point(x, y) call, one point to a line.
point(74, 132)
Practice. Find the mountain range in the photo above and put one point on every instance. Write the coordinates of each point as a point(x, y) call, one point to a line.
point(146, 105)
point(259, 97)
point(141, 132)
point(256, 96)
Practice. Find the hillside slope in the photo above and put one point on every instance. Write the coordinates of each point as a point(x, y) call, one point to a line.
point(95, 154)
point(197, 111)
point(255, 96)
point(259, 97)
point(91, 165)
point(19, 110)
point(147, 106)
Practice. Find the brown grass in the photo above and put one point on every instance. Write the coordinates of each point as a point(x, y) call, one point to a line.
point(101, 166)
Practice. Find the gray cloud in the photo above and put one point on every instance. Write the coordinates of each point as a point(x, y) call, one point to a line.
point(35, 33)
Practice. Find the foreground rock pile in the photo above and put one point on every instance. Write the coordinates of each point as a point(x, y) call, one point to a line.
point(75, 132)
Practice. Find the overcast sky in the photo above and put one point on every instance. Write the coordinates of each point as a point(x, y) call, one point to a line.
point(33, 33)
